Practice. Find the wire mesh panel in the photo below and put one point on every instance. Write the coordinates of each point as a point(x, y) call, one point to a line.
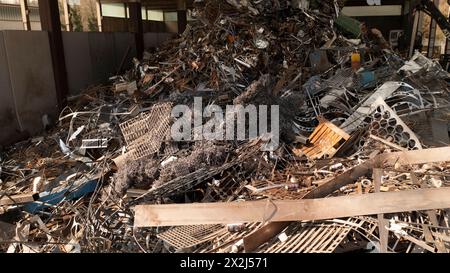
point(143, 133)
point(322, 237)
point(135, 128)
point(188, 236)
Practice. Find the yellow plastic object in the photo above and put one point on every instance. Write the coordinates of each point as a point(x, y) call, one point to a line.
point(356, 61)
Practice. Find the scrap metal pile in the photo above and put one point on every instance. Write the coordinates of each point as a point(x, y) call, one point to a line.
point(362, 165)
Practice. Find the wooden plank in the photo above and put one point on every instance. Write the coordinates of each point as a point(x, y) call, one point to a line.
point(291, 210)
point(336, 138)
point(262, 235)
point(400, 158)
point(420, 243)
point(336, 129)
point(416, 157)
point(268, 231)
point(19, 199)
point(324, 138)
point(388, 143)
point(427, 234)
point(318, 133)
point(384, 233)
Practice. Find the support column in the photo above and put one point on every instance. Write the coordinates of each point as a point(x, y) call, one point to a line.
point(66, 15)
point(432, 36)
point(49, 13)
point(181, 16)
point(447, 43)
point(25, 14)
point(446, 60)
point(98, 6)
point(421, 19)
point(413, 34)
point(382, 223)
point(136, 26)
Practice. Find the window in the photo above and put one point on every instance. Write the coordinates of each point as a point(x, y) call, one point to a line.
point(156, 15)
point(170, 16)
point(113, 10)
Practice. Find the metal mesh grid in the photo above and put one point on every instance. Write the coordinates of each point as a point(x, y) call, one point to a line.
point(170, 147)
point(189, 236)
point(223, 238)
point(143, 133)
point(323, 237)
point(135, 128)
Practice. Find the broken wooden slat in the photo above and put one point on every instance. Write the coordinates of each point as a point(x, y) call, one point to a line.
point(291, 210)
point(262, 235)
point(268, 231)
point(399, 158)
point(384, 233)
point(134, 193)
point(388, 143)
point(120, 87)
point(416, 157)
point(19, 199)
point(420, 243)
point(325, 140)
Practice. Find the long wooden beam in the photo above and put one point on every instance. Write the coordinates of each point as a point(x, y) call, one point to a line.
point(398, 158)
point(291, 210)
point(18, 199)
point(268, 231)
point(382, 231)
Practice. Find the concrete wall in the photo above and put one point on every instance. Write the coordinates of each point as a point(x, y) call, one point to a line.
point(172, 26)
point(8, 118)
point(152, 40)
point(114, 24)
point(26, 84)
point(93, 57)
point(18, 25)
point(154, 26)
point(111, 24)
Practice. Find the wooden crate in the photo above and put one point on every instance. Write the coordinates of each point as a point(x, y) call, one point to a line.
point(325, 141)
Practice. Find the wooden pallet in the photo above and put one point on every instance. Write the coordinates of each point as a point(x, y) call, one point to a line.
point(325, 141)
